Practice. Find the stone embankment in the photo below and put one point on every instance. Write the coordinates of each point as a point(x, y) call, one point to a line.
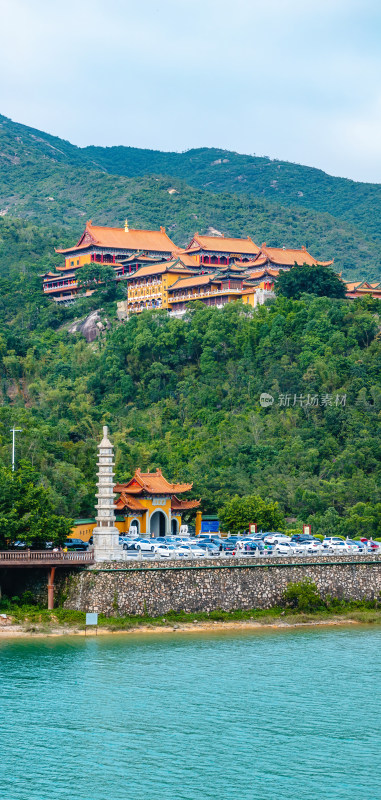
point(206, 585)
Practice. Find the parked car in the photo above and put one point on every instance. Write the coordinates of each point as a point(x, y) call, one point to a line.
point(130, 544)
point(166, 550)
point(301, 537)
point(229, 544)
point(354, 546)
point(191, 551)
point(286, 549)
point(311, 546)
point(338, 547)
point(274, 538)
point(296, 548)
point(329, 539)
point(370, 545)
point(361, 545)
point(209, 547)
point(145, 545)
point(211, 539)
point(250, 546)
point(76, 544)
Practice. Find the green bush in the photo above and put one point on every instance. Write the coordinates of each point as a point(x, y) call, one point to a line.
point(303, 595)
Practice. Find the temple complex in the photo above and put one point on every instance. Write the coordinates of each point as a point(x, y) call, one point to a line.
point(152, 264)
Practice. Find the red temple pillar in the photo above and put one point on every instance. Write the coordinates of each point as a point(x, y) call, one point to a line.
point(102, 258)
point(113, 259)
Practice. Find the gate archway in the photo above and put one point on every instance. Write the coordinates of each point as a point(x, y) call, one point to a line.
point(158, 524)
point(174, 526)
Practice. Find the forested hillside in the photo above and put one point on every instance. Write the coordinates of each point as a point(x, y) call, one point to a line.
point(183, 395)
point(291, 185)
point(50, 182)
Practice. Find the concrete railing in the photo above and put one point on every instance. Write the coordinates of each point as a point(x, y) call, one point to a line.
point(44, 557)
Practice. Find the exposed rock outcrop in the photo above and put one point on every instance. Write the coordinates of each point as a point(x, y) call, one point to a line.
point(90, 327)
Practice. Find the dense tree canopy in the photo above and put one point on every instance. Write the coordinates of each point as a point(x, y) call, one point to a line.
point(27, 511)
point(320, 281)
point(240, 512)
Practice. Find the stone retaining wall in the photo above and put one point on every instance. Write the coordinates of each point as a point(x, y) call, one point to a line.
point(208, 585)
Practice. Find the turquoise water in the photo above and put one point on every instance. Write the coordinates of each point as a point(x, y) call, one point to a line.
point(275, 715)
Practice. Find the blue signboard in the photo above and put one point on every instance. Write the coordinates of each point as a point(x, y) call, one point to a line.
point(210, 526)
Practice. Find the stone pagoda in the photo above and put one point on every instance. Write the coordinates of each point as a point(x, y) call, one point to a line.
point(106, 535)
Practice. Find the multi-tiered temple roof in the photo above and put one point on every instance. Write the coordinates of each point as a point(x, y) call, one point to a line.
point(151, 484)
point(122, 239)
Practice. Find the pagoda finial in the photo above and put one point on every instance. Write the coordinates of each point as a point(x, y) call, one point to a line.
point(105, 430)
point(126, 228)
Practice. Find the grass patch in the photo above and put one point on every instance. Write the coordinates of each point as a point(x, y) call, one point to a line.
point(41, 620)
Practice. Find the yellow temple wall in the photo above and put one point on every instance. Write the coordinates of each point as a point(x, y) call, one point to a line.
point(76, 261)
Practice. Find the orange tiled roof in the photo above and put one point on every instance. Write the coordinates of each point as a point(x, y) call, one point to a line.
point(182, 505)
point(222, 244)
point(119, 238)
point(290, 256)
point(138, 257)
point(257, 262)
point(127, 501)
point(174, 265)
point(363, 286)
point(196, 280)
point(151, 483)
point(187, 259)
point(259, 273)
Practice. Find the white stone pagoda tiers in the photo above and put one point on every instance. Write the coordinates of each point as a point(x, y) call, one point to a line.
point(106, 535)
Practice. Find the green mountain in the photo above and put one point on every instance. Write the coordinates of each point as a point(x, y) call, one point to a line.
point(183, 395)
point(51, 182)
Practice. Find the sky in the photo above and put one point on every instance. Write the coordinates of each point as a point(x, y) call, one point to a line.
point(297, 80)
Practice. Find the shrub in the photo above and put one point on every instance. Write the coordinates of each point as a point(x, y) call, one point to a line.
point(303, 595)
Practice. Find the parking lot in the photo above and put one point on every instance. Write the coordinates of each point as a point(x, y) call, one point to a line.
point(265, 545)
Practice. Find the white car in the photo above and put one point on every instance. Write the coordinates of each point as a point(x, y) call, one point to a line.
point(274, 538)
point(166, 551)
point(353, 547)
point(285, 549)
point(191, 551)
point(311, 547)
point(146, 545)
point(297, 548)
point(339, 547)
point(329, 539)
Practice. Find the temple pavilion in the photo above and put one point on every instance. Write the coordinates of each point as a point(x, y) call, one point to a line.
point(149, 503)
point(125, 249)
point(219, 250)
point(283, 258)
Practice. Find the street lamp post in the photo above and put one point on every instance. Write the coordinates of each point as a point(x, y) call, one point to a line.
point(14, 431)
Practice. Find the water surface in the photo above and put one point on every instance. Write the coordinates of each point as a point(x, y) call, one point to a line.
point(275, 715)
